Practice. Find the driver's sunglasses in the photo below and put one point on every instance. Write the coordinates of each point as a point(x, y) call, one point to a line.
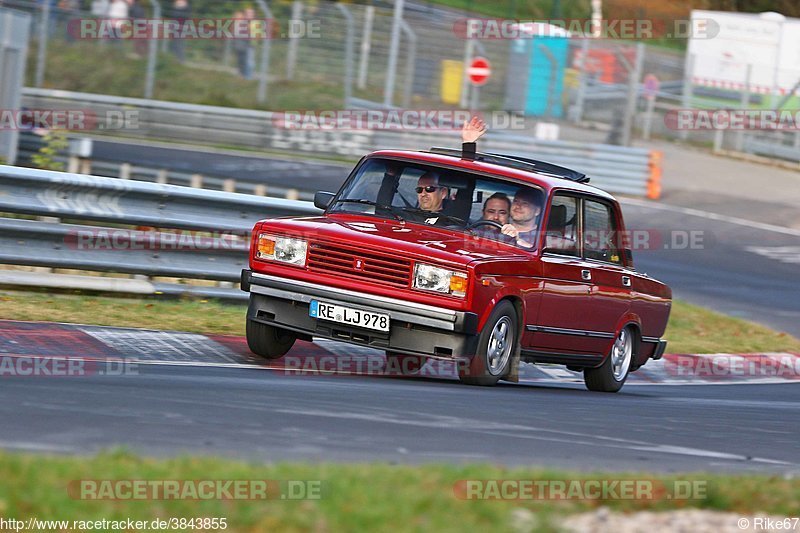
point(429, 188)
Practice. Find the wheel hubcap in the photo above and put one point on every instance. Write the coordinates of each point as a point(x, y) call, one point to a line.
point(621, 355)
point(499, 349)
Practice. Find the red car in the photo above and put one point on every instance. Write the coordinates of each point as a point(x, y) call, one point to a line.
point(482, 259)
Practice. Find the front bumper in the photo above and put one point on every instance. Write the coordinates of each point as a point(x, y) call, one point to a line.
point(414, 328)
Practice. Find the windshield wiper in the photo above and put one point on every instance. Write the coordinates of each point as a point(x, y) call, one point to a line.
point(370, 202)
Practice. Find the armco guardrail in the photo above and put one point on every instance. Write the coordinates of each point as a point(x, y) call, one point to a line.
point(614, 168)
point(215, 248)
point(82, 197)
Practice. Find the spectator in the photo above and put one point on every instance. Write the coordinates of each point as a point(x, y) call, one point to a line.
point(181, 11)
point(137, 12)
point(250, 52)
point(240, 47)
point(100, 8)
point(118, 12)
point(67, 10)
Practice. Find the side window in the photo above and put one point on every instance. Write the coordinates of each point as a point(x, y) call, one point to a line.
point(562, 226)
point(599, 233)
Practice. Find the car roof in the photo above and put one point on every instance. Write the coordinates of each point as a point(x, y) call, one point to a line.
point(542, 180)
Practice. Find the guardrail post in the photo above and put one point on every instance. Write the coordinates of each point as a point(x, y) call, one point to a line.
point(291, 54)
point(582, 79)
point(654, 180)
point(196, 181)
point(688, 88)
point(152, 51)
point(388, 88)
point(292, 194)
point(229, 185)
point(161, 176)
point(745, 103)
point(411, 60)
point(260, 190)
point(265, 46)
point(41, 56)
point(125, 171)
point(366, 44)
point(469, 51)
point(348, 54)
point(719, 140)
point(634, 73)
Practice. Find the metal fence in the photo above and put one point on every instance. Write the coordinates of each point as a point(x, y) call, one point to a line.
point(346, 55)
point(614, 168)
point(127, 227)
point(13, 54)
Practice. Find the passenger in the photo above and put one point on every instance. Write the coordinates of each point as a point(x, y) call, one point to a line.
point(525, 209)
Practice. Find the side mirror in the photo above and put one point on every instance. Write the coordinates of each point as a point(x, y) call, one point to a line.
point(323, 199)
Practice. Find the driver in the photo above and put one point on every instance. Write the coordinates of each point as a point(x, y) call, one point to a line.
point(496, 209)
point(430, 194)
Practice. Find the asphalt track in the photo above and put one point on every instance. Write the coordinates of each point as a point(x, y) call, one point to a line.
point(742, 268)
point(739, 267)
point(266, 415)
point(165, 393)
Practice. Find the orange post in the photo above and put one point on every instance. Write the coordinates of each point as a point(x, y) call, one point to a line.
point(654, 181)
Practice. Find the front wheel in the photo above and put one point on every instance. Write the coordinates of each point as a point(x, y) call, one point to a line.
point(611, 375)
point(268, 341)
point(496, 345)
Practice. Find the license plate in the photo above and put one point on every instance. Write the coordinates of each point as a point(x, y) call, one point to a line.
point(348, 315)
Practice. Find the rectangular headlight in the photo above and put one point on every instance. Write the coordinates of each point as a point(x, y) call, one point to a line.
point(283, 249)
point(441, 280)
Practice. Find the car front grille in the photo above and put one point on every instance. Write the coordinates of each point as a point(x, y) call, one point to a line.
point(354, 263)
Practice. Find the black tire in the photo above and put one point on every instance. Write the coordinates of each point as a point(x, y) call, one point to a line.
point(607, 378)
point(407, 365)
point(484, 369)
point(267, 341)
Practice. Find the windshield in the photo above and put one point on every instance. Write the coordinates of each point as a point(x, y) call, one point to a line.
point(465, 202)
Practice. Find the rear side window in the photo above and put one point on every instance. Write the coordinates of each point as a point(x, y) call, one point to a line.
point(561, 236)
point(599, 233)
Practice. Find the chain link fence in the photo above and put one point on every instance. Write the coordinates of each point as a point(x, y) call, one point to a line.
point(329, 56)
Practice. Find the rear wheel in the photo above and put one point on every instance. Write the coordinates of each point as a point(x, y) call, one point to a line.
point(611, 375)
point(268, 341)
point(496, 345)
point(407, 365)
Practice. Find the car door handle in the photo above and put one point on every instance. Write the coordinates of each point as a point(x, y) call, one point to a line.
point(626, 281)
point(586, 275)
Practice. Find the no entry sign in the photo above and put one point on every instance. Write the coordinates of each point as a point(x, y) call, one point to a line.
point(479, 71)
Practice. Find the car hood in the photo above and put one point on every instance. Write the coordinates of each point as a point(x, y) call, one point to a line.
point(416, 241)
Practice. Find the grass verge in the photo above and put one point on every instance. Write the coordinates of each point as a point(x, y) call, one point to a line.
point(691, 329)
point(369, 497)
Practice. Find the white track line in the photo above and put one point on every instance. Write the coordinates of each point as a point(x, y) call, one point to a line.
point(711, 216)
